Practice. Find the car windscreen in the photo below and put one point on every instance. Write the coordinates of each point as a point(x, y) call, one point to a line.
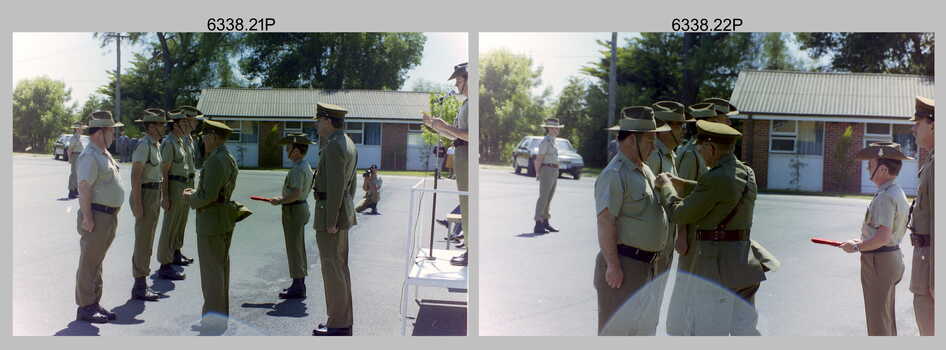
point(564, 145)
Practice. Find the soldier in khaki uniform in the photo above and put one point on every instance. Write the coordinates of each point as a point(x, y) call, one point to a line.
point(147, 187)
point(664, 160)
point(194, 117)
point(883, 227)
point(632, 229)
point(372, 186)
point(546, 165)
point(295, 212)
point(921, 221)
point(718, 212)
point(100, 197)
point(723, 109)
point(334, 190)
point(175, 170)
point(459, 133)
point(216, 219)
point(75, 148)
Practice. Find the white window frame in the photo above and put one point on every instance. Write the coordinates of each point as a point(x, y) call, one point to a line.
point(286, 130)
point(238, 131)
point(361, 131)
point(889, 133)
point(793, 136)
point(416, 133)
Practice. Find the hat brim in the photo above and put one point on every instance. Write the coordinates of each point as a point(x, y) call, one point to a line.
point(142, 121)
point(290, 142)
point(553, 126)
point(662, 128)
point(872, 153)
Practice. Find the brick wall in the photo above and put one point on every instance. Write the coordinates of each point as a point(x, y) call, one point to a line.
point(756, 151)
point(833, 180)
point(393, 146)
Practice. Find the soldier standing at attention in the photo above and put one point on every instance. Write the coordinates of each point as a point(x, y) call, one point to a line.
point(921, 221)
point(75, 148)
point(100, 198)
point(215, 223)
point(718, 212)
point(632, 228)
point(147, 187)
point(194, 117)
point(175, 169)
point(664, 160)
point(883, 227)
point(546, 163)
point(295, 213)
point(334, 189)
point(459, 133)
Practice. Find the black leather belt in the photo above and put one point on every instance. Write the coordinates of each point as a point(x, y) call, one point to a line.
point(177, 178)
point(920, 240)
point(320, 196)
point(104, 209)
point(460, 143)
point(295, 203)
point(883, 249)
point(722, 235)
point(151, 185)
point(637, 254)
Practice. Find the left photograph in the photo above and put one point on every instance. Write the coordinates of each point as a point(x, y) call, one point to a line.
point(173, 183)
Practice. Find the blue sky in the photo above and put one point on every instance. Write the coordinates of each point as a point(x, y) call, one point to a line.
point(77, 59)
point(562, 55)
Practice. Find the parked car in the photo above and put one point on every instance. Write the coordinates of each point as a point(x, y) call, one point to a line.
point(569, 161)
point(62, 144)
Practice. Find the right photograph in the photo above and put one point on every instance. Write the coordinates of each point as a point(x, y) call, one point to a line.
point(697, 184)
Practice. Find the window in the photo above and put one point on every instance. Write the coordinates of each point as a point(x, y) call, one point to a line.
point(355, 131)
point(903, 135)
point(292, 128)
point(236, 135)
point(875, 129)
point(800, 137)
point(372, 134)
point(415, 135)
point(414, 127)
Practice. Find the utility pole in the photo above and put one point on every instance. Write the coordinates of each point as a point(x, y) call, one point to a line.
point(612, 78)
point(118, 73)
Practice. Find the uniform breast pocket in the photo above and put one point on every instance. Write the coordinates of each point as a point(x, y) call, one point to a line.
point(636, 201)
point(154, 157)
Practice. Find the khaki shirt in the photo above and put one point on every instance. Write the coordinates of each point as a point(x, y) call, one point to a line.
point(627, 191)
point(690, 164)
point(888, 208)
point(75, 144)
point(461, 121)
point(662, 159)
point(547, 148)
point(299, 177)
point(174, 151)
point(99, 169)
point(923, 204)
point(191, 151)
point(148, 154)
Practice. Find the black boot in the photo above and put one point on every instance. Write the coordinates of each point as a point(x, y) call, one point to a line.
point(90, 313)
point(539, 227)
point(73, 194)
point(460, 260)
point(108, 314)
point(549, 227)
point(169, 273)
point(323, 330)
point(141, 291)
point(180, 259)
point(295, 291)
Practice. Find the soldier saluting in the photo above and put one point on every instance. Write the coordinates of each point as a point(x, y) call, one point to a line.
point(334, 190)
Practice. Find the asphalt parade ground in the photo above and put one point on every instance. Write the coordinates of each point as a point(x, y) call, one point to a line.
point(46, 251)
point(542, 284)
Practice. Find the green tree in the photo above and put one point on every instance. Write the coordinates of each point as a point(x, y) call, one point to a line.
point(41, 112)
point(508, 108)
point(775, 54)
point(331, 60)
point(904, 53)
point(571, 109)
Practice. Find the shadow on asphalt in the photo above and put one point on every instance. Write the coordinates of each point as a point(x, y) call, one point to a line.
point(160, 285)
point(78, 328)
point(286, 308)
point(126, 313)
point(531, 235)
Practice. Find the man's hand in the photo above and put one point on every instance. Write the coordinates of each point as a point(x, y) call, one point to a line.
point(681, 244)
point(333, 229)
point(87, 223)
point(136, 209)
point(427, 118)
point(850, 246)
point(188, 192)
point(276, 201)
point(166, 204)
point(614, 276)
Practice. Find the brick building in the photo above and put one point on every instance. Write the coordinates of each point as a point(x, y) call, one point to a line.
point(385, 125)
point(794, 123)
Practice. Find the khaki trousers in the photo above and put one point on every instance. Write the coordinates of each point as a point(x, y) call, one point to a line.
point(638, 310)
point(548, 179)
point(880, 273)
point(921, 285)
point(174, 224)
point(213, 250)
point(145, 225)
point(333, 256)
point(73, 185)
point(294, 218)
point(92, 248)
point(462, 164)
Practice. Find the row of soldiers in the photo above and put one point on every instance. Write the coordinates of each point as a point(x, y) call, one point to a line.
point(661, 194)
point(163, 176)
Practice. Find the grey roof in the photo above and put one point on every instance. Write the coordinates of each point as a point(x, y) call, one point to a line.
point(300, 103)
point(829, 94)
